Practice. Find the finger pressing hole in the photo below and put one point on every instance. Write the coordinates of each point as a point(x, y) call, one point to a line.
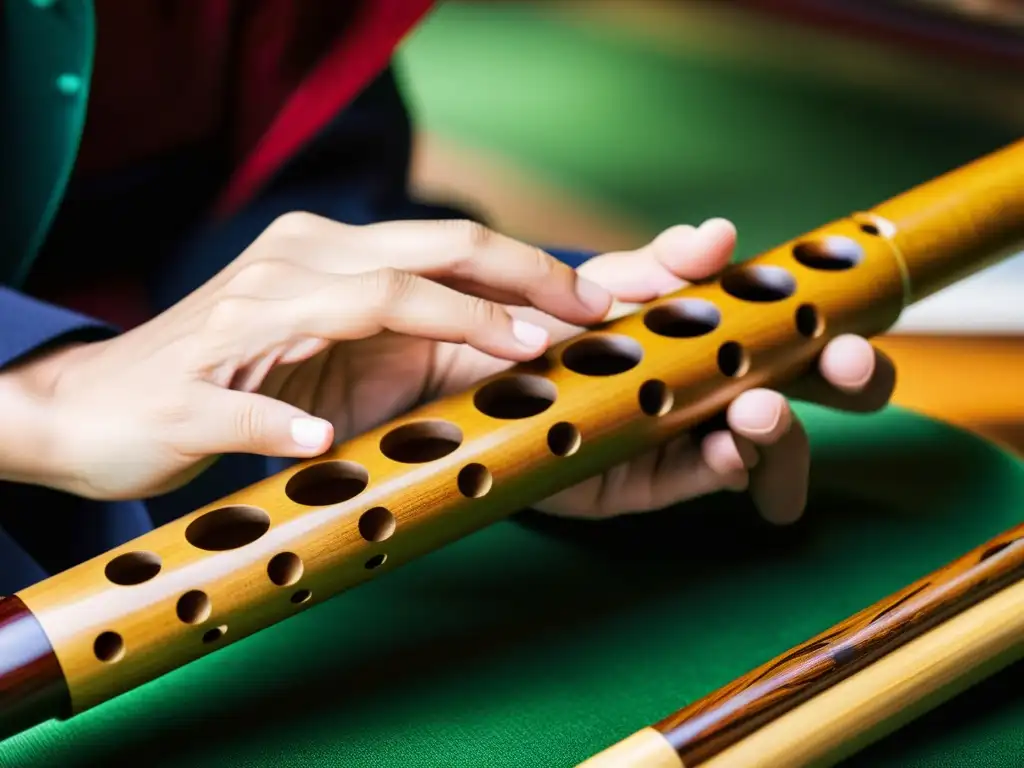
point(760, 415)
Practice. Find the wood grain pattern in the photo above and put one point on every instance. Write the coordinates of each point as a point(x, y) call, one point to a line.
point(709, 726)
point(32, 688)
point(899, 687)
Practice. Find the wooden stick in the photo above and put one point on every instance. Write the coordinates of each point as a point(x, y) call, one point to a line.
point(863, 678)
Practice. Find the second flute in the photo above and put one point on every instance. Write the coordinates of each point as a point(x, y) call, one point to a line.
point(455, 465)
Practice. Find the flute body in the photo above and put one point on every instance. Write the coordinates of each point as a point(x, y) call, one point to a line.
point(458, 464)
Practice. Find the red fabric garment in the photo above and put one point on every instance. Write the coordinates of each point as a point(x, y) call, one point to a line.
point(275, 71)
point(373, 32)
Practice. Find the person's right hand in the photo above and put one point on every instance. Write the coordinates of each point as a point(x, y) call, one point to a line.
point(144, 412)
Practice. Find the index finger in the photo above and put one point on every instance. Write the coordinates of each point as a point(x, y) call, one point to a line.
point(475, 259)
point(679, 255)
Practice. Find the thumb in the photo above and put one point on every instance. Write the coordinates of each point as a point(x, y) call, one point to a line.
point(245, 422)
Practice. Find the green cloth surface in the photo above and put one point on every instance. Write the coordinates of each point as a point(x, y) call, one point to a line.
point(670, 136)
point(539, 642)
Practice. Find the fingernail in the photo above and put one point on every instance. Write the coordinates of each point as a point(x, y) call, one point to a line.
point(309, 433)
point(764, 420)
point(529, 335)
point(716, 221)
point(593, 296)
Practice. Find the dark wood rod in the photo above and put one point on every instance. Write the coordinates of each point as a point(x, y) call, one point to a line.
point(700, 732)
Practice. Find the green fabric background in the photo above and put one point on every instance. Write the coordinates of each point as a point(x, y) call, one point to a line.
point(669, 136)
point(536, 642)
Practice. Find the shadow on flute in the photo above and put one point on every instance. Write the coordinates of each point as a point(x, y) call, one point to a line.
point(577, 618)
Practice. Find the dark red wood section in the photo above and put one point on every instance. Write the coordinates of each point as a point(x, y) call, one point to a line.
point(32, 686)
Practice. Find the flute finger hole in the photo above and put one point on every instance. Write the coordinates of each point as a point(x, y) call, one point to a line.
point(831, 254)
point(193, 607)
point(328, 482)
point(421, 441)
point(733, 360)
point(809, 322)
point(654, 398)
point(377, 524)
point(227, 528)
point(603, 355)
point(564, 439)
point(375, 562)
point(758, 283)
point(108, 647)
point(285, 568)
point(874, 225)
point(474, 481)
point(683, 318)
point(301, 596)
point(215, 634)
point(515, 397)
point(133, 568)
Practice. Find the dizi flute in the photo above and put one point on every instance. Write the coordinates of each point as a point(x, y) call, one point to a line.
point(820, 702)
point(452, 466)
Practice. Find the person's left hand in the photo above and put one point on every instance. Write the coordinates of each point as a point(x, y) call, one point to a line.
point(765, 451)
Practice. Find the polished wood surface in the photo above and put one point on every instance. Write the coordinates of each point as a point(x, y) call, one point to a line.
point(709, 726)
point(452, 466)
point(32, 688)
point(861, 679)
point(889, 693)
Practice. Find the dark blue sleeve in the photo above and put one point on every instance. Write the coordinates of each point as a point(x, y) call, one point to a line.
point(573, 258)
point(28, 325)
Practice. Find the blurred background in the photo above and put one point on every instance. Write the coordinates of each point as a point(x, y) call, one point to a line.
point(597, 123)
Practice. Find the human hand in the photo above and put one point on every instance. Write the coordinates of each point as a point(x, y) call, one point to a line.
point(765, 449)
point(314, 322)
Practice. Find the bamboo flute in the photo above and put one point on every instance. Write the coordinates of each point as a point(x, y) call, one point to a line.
point(453, 466)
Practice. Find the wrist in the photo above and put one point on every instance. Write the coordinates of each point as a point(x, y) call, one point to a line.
point(32, 435)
